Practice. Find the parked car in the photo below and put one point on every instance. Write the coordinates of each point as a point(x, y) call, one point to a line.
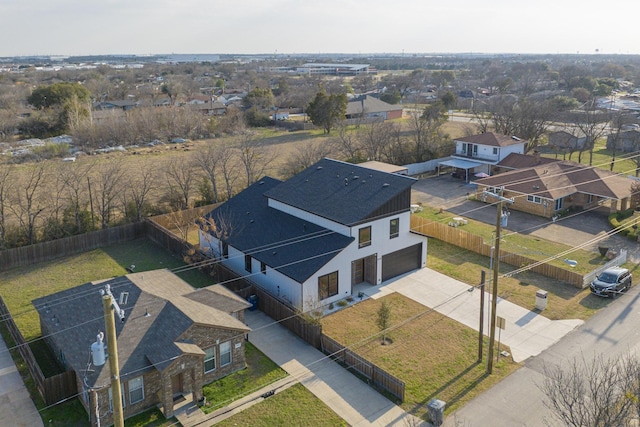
point(611, 282)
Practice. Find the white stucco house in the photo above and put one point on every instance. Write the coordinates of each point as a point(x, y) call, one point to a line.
point(312, 238)
point(479, 153)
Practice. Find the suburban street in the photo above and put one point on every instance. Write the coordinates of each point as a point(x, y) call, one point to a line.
point(517, 401)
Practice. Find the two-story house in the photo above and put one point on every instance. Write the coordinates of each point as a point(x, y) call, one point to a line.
point(479, 153)
point(309, 240)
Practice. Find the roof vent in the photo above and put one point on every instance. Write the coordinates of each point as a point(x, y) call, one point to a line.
point(515, 138)
point(251, 221)
point(146, 313)
point(356, 177)
point(346, 181)
point(274, 253)
point(124, 297)
point(261, 182)
point(386, 184)
point(319, 167)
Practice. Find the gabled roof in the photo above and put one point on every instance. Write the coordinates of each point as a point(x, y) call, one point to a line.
point(560, 179)
point(156, 316)
point(290, 245)
point(369, 104)
point(341, 192)
point(492, 139)
point(521, 161)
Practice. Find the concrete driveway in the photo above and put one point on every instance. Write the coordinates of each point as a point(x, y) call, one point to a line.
point(585, 229)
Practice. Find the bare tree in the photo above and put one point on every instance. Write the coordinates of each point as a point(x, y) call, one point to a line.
point(136, 194)
point(597, 393)
point(6, 188)
point(303, 156)
point(253, 157)
point(107, 185)
point(180, 178)
point(30, 201)
point(346, 143)
point(75, 177)
point(209, 161)
point(375, 137)
point(230, 173)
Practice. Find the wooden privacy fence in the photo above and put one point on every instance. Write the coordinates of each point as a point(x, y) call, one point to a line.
point(278, 310)
point(374, 374)
point(53, 249)
point(475, 243)
point(53, 389)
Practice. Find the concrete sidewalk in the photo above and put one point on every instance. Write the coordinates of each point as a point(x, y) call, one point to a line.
point(526, 333)
point(357, 403)
point(16, 406)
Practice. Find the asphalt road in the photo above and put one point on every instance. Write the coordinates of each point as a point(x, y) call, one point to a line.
point(517, 400)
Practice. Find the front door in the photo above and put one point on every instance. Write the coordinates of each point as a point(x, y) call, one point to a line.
point(364, 270)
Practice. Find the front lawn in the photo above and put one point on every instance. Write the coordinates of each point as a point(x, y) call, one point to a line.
point(564, 301)
point(295, 406)
point(260, 372)
point(435, 356)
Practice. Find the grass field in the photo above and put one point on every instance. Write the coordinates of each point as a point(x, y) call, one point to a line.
point(523, 244)
point(260, 372)
point(295, 407)
point(564, 301)
point(435, 356)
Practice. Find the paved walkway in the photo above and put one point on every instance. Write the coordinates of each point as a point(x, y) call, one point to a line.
point(526, 333)
point(16, 407)
point(357, 403)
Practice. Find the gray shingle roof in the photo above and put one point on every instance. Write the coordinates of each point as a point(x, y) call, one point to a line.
point(75, 316)
point(292, 246)
point(340, 191)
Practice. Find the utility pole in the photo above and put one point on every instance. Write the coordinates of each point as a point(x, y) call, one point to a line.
point(109, 305)
point(496, 268)
point(481, 328)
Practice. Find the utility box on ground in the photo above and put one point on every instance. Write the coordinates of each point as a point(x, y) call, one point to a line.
point(541, 299)
point(436, 411)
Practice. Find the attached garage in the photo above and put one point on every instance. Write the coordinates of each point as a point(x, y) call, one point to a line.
point(402, 261)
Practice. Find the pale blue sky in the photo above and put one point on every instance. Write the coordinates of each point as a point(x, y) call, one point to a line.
point(83, 27)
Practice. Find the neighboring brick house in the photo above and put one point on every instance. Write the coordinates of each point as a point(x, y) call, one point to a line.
point(516, 161)
point(548, 189)
point(309, 240)
point(173, 340)
point(368, 107)
point(480, 153)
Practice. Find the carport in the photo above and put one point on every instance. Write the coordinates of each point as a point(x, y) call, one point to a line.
point(459, 164)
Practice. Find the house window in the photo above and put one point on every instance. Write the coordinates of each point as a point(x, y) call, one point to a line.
point(364, 237)
point(136, 390)
point(590, 198)
point(559, 204)
point(225, 250)
point(111, 397)
point(263, 268)
point(247, 263)
point(209, 359)
point(394, 228)
point(464, 148)
point(495, 151)
point(328, 285)
point(225, 353)
point(534, 199)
